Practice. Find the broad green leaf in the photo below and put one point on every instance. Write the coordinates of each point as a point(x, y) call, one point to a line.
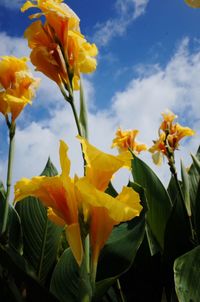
point(194, 179)
point(158, 200)
point(196, 162)
point(118, 254)
point(177, 237)
point(41, 236)
point(15, 268)
point(69, 282)
point(187, 276)
point(186, 188)
point(2, 204)
point(15, 231)
point(83, 113)
point(14, 237)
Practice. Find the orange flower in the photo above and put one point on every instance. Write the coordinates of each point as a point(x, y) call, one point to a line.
point(58, 194)
point(99, 208)
point(170, 135)
point(17, 85)
point(126, 140)
point(59, 50)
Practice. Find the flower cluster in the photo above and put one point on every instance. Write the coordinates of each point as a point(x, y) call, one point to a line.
point(70, 199)
point(170, 134)
point(59, 50)
point(17, 86)
point(126, 140)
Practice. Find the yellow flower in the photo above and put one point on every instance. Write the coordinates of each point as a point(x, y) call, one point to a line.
point(168, 118)
point(159, 149)
point(59, 50)
point(100, 166)
point(179, 132)
point(125, 141)
point(193, 3)
point(169, 136)
point(102, 210)
point(58, 194)
point(17, 85)
point(67, 199)
point(106, 211)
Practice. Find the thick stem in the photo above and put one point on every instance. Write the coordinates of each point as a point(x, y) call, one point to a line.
point(70, 100)
point(87, 253)
point(9, 175)
point(75, 116)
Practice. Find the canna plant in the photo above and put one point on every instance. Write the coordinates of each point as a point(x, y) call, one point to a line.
point(76, 238)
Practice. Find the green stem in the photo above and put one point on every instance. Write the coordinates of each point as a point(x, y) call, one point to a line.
point(9, 174)
point(75, 116)
point(70, 100)
point(93, 273)
point(120, 291)
point(87, 253)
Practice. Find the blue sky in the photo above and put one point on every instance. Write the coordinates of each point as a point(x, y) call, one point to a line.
point(149, 60)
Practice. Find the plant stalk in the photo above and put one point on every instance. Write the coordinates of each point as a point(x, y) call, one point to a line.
point(11, 127)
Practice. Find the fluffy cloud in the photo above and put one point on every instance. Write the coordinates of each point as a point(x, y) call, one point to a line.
point(127, 11)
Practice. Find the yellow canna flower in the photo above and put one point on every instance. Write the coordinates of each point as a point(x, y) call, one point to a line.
point(68, 199)
point(58, 194)
point(159, 149)
point(102, 210)
point(106, 211)
point(193, 3)
point(178, 133)
point(125, 141)
point(168, 118)
point(59, 50)
point(100, 165)
point(17, 85)
point(170, 135)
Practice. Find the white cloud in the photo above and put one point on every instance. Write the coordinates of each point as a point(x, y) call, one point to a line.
point(12, 4)
point(13, 46)
point(127, 12)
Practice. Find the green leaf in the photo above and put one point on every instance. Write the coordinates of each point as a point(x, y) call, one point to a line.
point(159, 202)
point(14, 223)
point(196, 162)
point(194, 179)
point(41, 236)
point(186, 188)
point(2, 192)
point(118, 254)
point(15, 272)
point(177, 237)
point(15, 231)
point(187, 276)
point(69, 282)
point(83, 113)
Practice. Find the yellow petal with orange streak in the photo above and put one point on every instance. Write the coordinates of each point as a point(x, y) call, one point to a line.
point(122, 208)
point(100, 165)
point(55, 218)
point(74, 239)
point(64, 160)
